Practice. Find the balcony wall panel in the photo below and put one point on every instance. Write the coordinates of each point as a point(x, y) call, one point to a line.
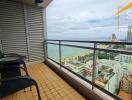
point(22, 30)
point(35, 32)
point(12, 25)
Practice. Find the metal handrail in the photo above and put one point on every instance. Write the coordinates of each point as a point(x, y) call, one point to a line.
point(83, 41)
point(95, 48)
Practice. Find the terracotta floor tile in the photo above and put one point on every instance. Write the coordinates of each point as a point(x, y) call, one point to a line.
point(51, 86)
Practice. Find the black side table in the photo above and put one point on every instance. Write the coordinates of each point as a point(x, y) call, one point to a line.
point(10, 66)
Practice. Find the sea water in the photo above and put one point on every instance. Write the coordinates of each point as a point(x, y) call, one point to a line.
point(66, 51)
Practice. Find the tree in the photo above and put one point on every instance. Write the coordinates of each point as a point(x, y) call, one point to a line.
point(119, 46)
point(104, 55)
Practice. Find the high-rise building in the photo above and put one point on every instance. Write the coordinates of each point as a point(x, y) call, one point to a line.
point(113, 39)
point(129, 35)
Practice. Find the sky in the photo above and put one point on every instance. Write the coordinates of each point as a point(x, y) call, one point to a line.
point(87, 19)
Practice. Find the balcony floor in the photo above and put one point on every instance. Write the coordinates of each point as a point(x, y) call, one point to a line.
point(51, 86)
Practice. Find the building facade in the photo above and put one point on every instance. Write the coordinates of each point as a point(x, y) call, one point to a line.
point(124, 58)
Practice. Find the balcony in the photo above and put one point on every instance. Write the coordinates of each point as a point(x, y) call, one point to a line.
point(106, 67)
point(73, 70)
point(84, 75)
point(52, 87)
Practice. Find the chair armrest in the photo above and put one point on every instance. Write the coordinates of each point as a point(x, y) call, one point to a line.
point(10, 54)
point(13, 54)
point(11, 66)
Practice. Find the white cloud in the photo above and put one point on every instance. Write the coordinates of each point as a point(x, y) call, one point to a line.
point(73, 18)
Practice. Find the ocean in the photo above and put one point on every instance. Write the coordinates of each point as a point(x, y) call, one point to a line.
point(53, 51)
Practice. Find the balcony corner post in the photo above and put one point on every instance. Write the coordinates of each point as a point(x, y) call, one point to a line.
point(60, 56)
point(94, 65)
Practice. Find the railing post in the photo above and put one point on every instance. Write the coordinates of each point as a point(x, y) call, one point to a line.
point(45, 50)
point(60, 59)
point(94, 64)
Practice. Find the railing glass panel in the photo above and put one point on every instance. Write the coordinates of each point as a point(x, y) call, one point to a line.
point(113, 72)
point(78, 60)
point(107, 66)
point(53, 52)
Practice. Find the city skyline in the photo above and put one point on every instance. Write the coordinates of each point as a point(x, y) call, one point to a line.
point(86, 19)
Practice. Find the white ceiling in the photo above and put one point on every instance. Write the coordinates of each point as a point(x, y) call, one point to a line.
point(45, 3)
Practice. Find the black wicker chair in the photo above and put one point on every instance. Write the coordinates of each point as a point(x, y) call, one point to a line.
point(11, 81)
point(14, 84)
